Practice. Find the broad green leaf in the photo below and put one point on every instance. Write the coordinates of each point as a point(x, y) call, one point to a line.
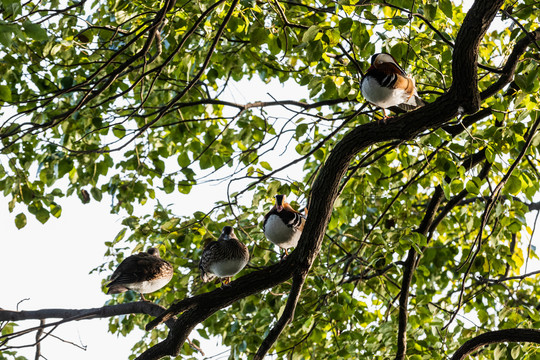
point(5, 93)
point(35, 31)
point(310, 33)
point(20, 220)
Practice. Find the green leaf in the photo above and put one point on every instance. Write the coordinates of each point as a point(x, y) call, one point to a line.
point(472, 187)
point(168, 185)
point(183, 159)
point(266, 165)
point(170, 224)
point(515, 351)
point(446, 8)
point(314, 51)
point(430, 11)
point(56, 210)
point(345, 25)
point(42, 215)
point(20, 221)
point(310, 33)
point(258, 36)
point(119, 131)
point(513, 185)
point(5, 93)
point(96, 194)
point(35, 31)
point(6, 35)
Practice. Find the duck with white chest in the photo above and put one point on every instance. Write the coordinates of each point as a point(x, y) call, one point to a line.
point(386, 84)
point(223, 258)
point(283, 225)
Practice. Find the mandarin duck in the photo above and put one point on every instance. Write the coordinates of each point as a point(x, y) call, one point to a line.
point(386, 84)
point(223, 258)
point(283, 225)
point(144, 273)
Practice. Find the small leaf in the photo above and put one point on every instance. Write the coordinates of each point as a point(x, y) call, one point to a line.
point(119, 131)
point(170, 224)
point(345, 25)
point(310, 33)
point(258, 36)
point(446, 8)
point(96, 193)
point(183, 159)
point(42, 215)
point(513, 185)
point(168, 185)
point(266, 165)
point(515, 352)
point(184, 188)
point(472, 188)
point(5, 93)
point(56, 210)
point(20, 221)
point(120, 235)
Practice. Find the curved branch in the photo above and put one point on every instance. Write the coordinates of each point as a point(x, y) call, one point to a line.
point(495, 337)
point(286, 317)
point(510, 67)
point(68, 315)
point(465, 55)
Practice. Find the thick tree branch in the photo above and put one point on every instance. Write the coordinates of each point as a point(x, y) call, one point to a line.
point(495, 337)
point(465, 55)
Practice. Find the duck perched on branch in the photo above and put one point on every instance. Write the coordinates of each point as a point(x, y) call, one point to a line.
point(223, 258)
point(283, 225)
point(144, 273)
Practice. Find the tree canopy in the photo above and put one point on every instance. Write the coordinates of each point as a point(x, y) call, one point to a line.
point(416, 239)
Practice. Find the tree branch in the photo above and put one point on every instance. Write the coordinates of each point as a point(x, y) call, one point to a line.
point(286, 317)
point(495, 337)
point(409, 267)
point(510, 67)
point(140, 307)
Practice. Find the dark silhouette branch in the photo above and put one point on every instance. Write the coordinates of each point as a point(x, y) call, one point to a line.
point(509, 68)
point(286, 317)
point(496, 337)
point(140, 307)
